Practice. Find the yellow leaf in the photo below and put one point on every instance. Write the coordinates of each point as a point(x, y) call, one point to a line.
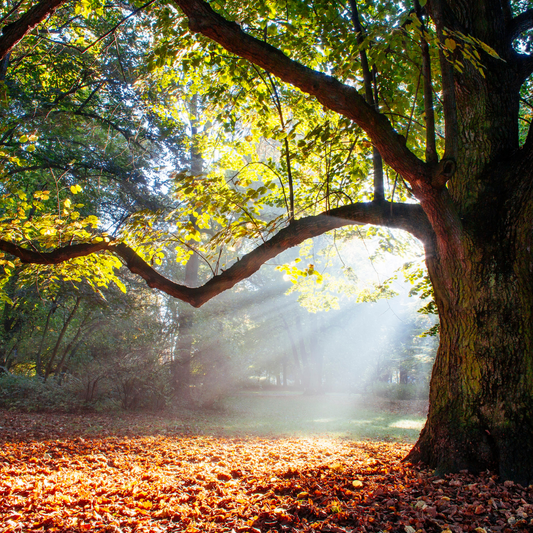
point(450, 44)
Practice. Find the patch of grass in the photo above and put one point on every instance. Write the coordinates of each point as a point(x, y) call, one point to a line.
point(270, 414)
point(335, 415)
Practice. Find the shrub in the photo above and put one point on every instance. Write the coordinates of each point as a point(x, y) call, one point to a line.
point(33, 394)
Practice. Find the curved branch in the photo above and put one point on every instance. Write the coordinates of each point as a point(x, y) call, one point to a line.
point(409, 217)
point(518, 25)
point(329, 92)
point(129, 137)
point(13, 33)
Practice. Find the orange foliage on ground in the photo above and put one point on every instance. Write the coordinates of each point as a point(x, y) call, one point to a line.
point(54, 481)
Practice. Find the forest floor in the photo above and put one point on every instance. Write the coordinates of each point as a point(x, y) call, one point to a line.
point(132, 472)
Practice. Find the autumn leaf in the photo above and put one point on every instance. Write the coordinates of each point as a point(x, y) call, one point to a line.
point(148, 480)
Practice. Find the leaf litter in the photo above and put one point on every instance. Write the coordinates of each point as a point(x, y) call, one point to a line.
point(53, 478)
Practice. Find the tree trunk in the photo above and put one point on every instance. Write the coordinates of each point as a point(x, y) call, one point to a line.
point(294, 351)
point(306, 363)
point(481, 393)
point(60, 338)
point(183, 356)
point(70, 345)
point(38, 355)
point(404, 373)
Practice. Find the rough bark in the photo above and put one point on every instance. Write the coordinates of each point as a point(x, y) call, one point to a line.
point(481, 394)
point(13, 33)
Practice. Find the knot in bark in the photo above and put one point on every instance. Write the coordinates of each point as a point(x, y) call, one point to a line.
point(443, 172)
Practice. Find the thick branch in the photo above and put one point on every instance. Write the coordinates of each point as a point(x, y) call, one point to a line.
point(429, 112)
point(409, 217)
point(448, 88)
point(13, 33)
point(516, 26)
point(59, 255)
point(330, 92)
point(524, 64)
point(520, 24)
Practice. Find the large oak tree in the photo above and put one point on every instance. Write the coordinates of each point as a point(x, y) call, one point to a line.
point(474, 206)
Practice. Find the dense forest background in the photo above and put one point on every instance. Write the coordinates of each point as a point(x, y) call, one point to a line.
point(98, 132)
point(81, 349)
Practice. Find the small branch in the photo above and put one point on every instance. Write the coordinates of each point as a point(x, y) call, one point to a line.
point(289, 176)
point(116, 26)
point(88, 99)
point(277, 101)
point(11, 11)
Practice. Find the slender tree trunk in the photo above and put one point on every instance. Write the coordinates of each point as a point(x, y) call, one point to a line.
point(316, 349)
point(306, 362)
point(183, 355)
point(70, 345)
point(10, 360)
point(38, 355)
point(294, 351)
point(404, 374)
point(60, 338)
point(76, 347)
